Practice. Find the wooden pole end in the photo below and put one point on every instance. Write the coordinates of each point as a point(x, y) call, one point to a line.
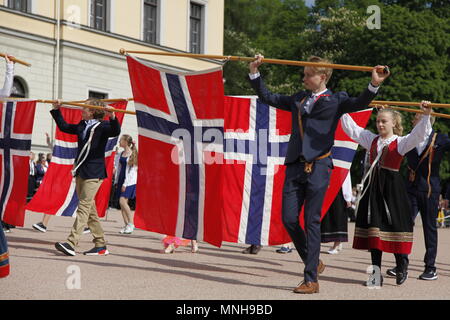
point(122, 51)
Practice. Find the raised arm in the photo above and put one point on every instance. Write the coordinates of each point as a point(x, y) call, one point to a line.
point(356, 133)
point(113, 129)
point(419, 133)
point(61, 123)
point(273, 99)
point(9, 79)
point(347, 104)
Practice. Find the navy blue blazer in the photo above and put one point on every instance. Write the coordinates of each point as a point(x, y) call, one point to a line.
point(320, 125)
point(441, 145)
point(94, 165)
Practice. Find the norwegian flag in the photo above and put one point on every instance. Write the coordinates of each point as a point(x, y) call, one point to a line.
point(180, 124)
point(56, 194)
point(17, 119)
point(256, 141)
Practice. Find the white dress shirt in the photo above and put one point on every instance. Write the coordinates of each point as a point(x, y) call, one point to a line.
point(89, 123)
point(420, 133)
point(9, 81)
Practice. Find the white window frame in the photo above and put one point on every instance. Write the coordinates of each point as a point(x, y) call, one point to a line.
point(204, 29)
point(159, 28)
point(111, 5)
point(99, 90)
point(30, 4)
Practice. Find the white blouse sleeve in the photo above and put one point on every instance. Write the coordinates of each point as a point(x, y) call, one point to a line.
point(9, 80)
point(130, 176)
point(419, 134)
point(356, 133)
point(347, 188)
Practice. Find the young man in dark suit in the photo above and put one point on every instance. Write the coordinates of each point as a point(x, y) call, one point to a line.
point(315, 116)
point(424, 187)
point(89, 171)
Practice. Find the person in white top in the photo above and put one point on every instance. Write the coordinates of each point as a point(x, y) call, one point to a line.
point(9, 78)
point(125, 180)
point(333, 227)
point(383, 220)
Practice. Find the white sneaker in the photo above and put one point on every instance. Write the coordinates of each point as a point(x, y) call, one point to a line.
point(122, 231)
point(129, 229)
point(170, 248)
point(333, 251)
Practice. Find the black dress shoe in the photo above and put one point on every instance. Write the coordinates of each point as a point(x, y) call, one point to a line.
point(247, 250)
point(401, 277)
point(255, 249)
point(392, 272)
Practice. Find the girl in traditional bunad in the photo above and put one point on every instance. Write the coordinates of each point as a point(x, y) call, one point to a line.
point(383, 218)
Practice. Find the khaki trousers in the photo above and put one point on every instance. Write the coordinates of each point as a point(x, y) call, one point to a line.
point(87, 213)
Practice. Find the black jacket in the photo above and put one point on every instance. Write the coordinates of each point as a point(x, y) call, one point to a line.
point(94, 165)
point(320, 125)
point(441, 145)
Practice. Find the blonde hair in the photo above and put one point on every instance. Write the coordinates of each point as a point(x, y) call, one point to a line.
point(397, 119)
point(321, 70)
point(133, 159)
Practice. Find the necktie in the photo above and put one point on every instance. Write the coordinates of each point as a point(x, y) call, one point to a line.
point(309, 103)
point(89, 123)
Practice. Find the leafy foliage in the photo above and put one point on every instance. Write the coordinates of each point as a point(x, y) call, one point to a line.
point(414, 40)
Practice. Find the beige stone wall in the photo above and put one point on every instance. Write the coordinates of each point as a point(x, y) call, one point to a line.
point(89, 59)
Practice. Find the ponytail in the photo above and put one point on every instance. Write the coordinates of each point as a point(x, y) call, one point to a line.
point(133, 160)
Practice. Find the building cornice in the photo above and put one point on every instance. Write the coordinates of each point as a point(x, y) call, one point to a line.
point(66, 23)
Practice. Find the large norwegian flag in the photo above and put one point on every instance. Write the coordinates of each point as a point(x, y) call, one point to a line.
point(56, 194)
point(180, 124)
point(17, 119)
point(256, 141)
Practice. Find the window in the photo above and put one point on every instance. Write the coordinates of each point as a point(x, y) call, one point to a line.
point(99, 15)
point(97, 95)
point(20, 5)
point(196, 28)
point(19, 89)
point(150, 21)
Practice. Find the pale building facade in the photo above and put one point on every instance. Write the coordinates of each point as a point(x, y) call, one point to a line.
point(73, 46)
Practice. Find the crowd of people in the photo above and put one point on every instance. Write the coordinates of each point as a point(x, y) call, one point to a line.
point(384, 208)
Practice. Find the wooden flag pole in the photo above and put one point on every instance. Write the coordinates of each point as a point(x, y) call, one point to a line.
point(439, 115)
point(86, 106)
point(105, 100)
point(410, 104)
point(16, 60)
point(249, 59)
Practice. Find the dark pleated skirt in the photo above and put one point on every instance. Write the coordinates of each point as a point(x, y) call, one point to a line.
point(383, 219)
point(334, 225)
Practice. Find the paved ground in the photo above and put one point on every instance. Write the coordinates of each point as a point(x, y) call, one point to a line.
point(136, 269)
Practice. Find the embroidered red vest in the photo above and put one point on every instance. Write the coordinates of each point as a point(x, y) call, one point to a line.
point(390, 158)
